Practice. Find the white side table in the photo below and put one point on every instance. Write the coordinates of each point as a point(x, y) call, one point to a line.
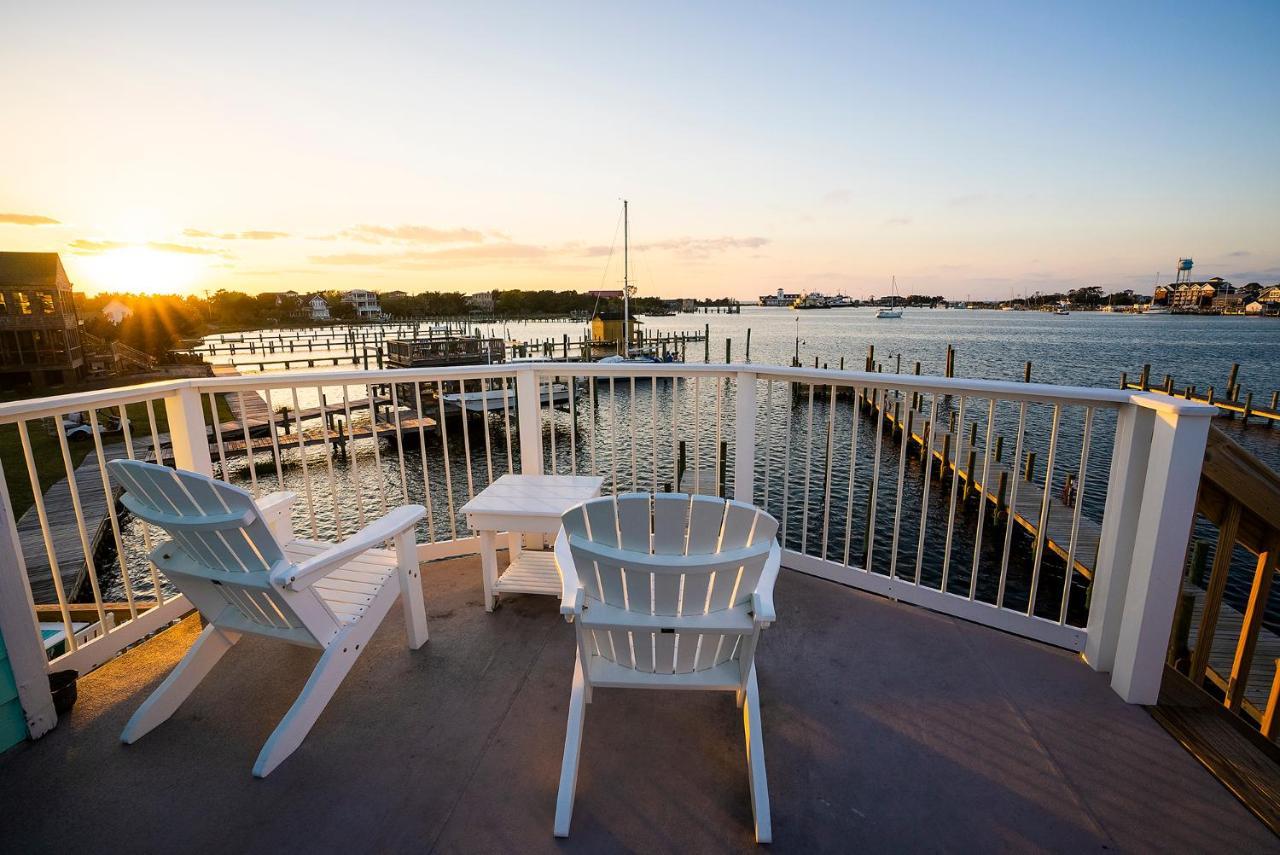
point(519, 505)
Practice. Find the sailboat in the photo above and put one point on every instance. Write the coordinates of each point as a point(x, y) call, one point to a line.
point(890, 311)
point(625, 355)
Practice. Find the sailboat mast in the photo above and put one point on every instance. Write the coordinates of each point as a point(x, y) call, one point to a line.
point(626, 281)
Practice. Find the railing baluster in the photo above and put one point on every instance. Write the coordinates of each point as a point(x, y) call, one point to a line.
point(826, 497)
point(958, 436)
point(422, 452)
point(982, 499)
point(653, 429)
point(632, 432)
point(878, 415)
point(306, 472)
point(572, 388)
point(719, 435)
point(808, 467)
point(127, 431)
point(697, 435)
point(1042, 527)
point(77, 510)
point(853, 468)
point(551, 419)
point(903, 426)
point(930, 429)
point(790, 399)
point(613, 436)
point(485, 388)
point(353, 458)
point(248, 445)
point(37, 497)
point(217, 435)
point(328, 462)
point(1078, 503)
point(275, 442)
point(1014, 480)
point(109, 499)
point(466, 438)
point(768, 440)
point(444, 451)
point(507, 391)
point(377, 444)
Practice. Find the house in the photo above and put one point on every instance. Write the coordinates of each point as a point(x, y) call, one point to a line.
point(365, 303)
point(1212, 295)
point(481, 302)
point(39, 328)
point(116, 312)
point(319, 308)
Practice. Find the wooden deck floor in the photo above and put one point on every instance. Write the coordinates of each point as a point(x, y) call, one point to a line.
point(887, 728)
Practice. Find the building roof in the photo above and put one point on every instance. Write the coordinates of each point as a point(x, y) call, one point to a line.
point(30, 268)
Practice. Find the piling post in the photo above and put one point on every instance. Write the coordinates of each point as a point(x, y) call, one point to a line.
point(1232, 392)
point(999, 447)
point(1248, 408)
point(706, 342)
point(748, 356)
point(968, 473)
point(1030, 471)
point(1026, 373)
point(1145, 379)
point(1124, 380)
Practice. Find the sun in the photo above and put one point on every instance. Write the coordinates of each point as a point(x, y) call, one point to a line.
point(141, 269)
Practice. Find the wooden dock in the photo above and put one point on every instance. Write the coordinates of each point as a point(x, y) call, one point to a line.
point(64, 532)
point(1000, 476)
point(409, 424)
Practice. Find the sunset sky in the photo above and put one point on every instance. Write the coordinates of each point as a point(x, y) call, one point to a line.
point(964, 148)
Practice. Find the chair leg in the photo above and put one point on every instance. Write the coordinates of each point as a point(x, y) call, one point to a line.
point(182, 680)
point(323, 682)
point(755, 760)
point(415, 613)
point(572, 746)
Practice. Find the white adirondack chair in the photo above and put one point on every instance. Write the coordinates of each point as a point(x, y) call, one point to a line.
point(239, 564)
point(667, 592)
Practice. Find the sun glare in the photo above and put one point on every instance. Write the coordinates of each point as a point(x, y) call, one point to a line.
point(140, 269)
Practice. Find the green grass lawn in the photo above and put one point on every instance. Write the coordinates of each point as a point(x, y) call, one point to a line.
point(45, 449)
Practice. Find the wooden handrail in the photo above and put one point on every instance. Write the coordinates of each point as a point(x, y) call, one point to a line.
point(1241, 496)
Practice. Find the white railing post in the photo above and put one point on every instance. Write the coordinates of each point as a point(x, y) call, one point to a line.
point(529, 415)
point(187, 433)
point(1178, 436)
point(744, 439)
point(1119, 530)
point(19, 628)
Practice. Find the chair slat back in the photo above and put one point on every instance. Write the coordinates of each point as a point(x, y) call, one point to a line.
point(221, 552)
point(669, 555)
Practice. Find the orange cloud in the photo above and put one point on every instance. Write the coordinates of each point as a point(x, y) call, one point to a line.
point(411, 234)
point(28, 220)
point(254, 234)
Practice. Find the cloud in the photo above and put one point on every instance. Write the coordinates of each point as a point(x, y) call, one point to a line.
point(411, 234)
point(94, 247)
point(837, 197)
point(28, 220)
point(183, 248)
point(966, 200)
point(1239, 253)
point(898, 221)
point(454, 257)
point(688, 247)
point(255, 234)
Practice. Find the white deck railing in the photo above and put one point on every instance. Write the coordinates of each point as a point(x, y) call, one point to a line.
point(1068, 522)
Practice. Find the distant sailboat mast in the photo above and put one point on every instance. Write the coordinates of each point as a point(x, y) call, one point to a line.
point(626, 283)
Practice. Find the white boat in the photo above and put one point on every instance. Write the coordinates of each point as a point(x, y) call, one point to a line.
point(494, 400)
point(1061, 309)
point(891, 311)
point(1156, 310)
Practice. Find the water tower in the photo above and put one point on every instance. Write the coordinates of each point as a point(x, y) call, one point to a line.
point(1184, 271)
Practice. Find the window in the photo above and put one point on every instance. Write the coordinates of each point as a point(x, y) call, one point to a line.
point(22, 302)
point(4, 304)
point(46, 303)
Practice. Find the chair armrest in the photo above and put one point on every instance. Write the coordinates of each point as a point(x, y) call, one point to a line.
point(762, 597)
point(571, 593)
point(276, 513)
point(298, 576)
